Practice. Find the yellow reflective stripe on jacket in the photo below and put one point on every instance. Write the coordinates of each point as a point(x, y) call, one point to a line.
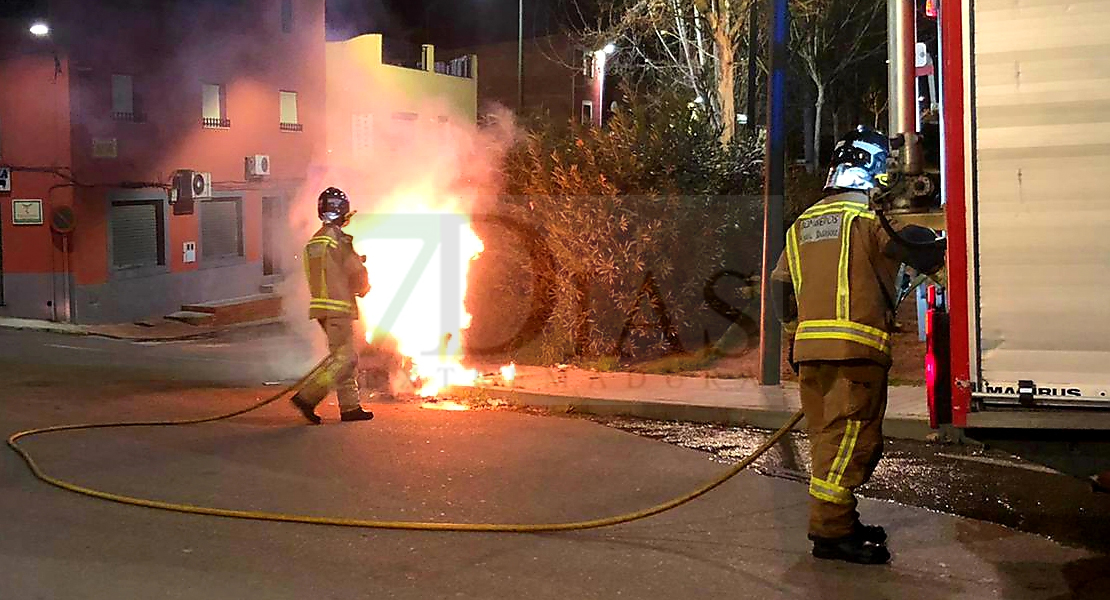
point(793, 260)
point(842, 329)
point(847, 448)
point(834, 207)
point(323, 240)
point(843, 288)
point(331, 304)
point(322, 263)
point(829, 492)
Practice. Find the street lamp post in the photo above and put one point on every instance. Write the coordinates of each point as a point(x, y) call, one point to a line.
point(770, 330)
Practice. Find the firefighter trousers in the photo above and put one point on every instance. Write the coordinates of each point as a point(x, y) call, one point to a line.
point(844, 403)
point(341, 374)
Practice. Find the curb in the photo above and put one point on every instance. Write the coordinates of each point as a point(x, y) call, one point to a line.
point(768, 418)
point(87, 330)
point(45, 326)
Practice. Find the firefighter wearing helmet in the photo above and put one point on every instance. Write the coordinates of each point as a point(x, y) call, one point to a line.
point(836, 286)
point(336, 276)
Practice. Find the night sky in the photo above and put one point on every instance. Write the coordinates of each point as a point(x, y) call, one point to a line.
point(445, 23)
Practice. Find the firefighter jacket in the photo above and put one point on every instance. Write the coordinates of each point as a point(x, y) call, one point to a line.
point(843, 280)
point(335, 274)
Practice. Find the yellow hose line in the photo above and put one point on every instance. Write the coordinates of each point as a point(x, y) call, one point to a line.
point(343, 522)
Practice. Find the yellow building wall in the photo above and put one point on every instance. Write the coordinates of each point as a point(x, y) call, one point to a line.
point(365, 94)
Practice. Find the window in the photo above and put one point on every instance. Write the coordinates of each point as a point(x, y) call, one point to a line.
point(287, 16)
point(289, 120)
point(138, 234)
point(362, 135)
point(123, 98)
point(221, 228)
point(587, 112)
point(215, 106)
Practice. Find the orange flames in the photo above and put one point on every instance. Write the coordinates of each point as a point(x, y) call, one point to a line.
point(419, 251)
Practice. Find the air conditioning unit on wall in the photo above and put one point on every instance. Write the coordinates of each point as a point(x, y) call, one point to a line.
point(257, 166)
point(189, 186)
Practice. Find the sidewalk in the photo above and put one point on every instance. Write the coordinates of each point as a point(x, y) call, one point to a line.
point(155, 330)
point(677, 398)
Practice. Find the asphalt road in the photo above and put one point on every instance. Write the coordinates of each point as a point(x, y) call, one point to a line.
point(745, 540)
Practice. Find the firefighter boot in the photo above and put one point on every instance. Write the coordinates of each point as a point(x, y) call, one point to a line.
point(306, 408)
point(357, 414)
point(872, 534)
point(851, 549)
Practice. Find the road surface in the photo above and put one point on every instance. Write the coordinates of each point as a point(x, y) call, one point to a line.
point(745, 540)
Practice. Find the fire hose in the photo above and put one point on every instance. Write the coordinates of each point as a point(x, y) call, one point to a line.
point(38, 472)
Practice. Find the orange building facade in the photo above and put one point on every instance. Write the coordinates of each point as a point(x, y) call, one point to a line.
point(99, 115)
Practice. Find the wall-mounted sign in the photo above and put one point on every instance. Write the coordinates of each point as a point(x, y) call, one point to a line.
point(5, 179)
point(190, 252)
point(26, 212)
point(105, 148)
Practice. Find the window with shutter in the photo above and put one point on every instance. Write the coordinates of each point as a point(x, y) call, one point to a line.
point(138, 236)
point(221, 228)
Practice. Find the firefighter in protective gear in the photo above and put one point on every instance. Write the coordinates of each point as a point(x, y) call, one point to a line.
point(836, 280)
point(336, 276)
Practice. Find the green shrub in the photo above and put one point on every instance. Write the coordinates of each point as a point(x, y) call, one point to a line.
point(631, 220)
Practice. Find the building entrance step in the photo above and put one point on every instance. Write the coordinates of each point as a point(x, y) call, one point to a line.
point(193, 318)
point(244, 309)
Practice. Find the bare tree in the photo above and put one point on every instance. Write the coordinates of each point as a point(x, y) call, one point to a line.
point(692, 43)
point(875, 101)
point(828, 38)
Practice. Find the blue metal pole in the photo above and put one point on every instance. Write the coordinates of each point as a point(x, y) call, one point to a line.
point(774, 189)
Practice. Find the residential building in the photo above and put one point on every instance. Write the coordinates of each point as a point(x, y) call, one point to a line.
point(365, 92)
point(562, 79)
point(99, 115)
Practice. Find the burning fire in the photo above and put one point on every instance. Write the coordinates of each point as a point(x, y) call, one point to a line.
point(419, 250)
point(449, 405)
point(508, 373)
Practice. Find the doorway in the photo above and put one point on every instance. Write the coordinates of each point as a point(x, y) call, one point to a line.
point(1, 257)
point(275, 219)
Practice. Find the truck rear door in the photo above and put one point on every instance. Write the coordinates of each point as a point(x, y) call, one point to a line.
point(1040, 210)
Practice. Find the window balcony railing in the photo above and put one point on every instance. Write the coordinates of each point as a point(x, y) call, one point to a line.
point(214, 123)
point(129, 117)
point(291, 127)
point(458, 67)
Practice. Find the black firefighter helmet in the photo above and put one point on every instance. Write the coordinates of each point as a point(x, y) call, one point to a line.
point(333, 207)
point(859, 161)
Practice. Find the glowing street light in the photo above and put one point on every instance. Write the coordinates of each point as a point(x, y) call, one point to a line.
point(40, 29)
point(609, 48)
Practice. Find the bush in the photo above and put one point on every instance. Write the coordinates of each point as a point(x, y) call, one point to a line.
point(628, 222)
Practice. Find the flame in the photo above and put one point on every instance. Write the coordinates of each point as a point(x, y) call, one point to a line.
point(419, 248)
point(449, 405)
point(508, 372)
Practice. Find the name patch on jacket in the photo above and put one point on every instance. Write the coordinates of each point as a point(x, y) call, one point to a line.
point(824, 227)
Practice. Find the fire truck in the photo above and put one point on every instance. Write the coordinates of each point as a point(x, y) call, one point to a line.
point(1018, 342)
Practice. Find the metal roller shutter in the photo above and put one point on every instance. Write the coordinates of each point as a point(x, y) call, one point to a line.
point(1042, 100)
point(136, 230)
point(221, 228)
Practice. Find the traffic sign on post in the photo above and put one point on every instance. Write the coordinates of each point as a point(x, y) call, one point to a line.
point(62, 220)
